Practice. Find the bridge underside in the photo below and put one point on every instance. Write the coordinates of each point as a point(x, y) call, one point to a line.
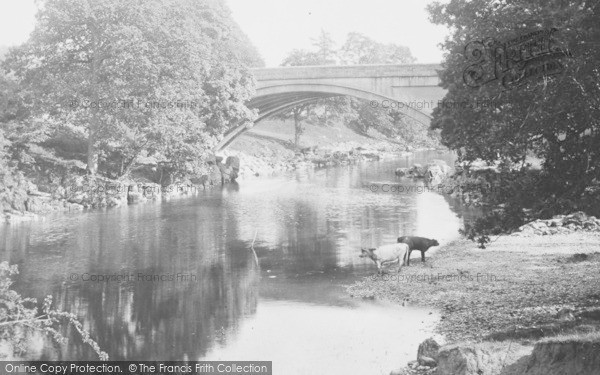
point(272, 104)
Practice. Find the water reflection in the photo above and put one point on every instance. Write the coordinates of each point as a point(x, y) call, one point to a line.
point(309, 226)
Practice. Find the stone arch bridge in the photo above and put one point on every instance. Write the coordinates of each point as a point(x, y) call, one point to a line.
point(412, 89)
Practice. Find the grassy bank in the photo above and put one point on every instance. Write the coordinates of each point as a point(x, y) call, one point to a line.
point(518, 288)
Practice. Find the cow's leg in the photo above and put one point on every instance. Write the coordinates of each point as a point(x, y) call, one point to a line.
point(408, 258)
point(379, 269)
point(422, 255)
point(400, 262)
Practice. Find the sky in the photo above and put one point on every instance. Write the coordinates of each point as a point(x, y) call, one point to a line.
point(278, 26)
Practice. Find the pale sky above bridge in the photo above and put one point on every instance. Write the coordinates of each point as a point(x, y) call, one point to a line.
point(278, 26)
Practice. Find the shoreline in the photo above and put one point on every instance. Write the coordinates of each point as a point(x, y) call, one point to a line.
point(102, 192)
point(521, 289)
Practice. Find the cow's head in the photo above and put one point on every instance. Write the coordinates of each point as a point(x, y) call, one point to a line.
point(366, 253)
point(434, 243)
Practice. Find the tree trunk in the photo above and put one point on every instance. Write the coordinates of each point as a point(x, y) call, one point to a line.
point(297, 128)
point(92, 156)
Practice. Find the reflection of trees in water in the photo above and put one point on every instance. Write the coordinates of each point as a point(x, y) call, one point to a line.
point(304, 242)
point(163, 320)
point(144, 319)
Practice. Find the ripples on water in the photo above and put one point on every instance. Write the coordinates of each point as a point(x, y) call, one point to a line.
point(292, 309)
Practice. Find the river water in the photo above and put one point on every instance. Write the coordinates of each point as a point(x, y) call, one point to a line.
point(184, 283)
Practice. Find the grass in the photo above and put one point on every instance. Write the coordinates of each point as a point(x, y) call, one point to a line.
point(591, 337)
point(512, 290)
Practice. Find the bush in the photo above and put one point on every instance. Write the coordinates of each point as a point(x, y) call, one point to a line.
point(19, 317)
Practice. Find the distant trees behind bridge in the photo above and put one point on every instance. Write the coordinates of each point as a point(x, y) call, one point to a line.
point(356, 114)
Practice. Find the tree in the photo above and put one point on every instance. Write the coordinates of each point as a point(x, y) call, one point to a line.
point(359, 115)
point(326, 49)
point(556, 117)
point(3, 52)
point(304, 112)
point(132, 77)
point(300, 57)
point(325, 53)
point(360, 49)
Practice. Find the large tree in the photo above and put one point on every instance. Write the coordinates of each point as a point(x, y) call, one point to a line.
point(554, 116)
point(134, 77)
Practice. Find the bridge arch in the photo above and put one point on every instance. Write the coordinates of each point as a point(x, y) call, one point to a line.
point(387, 86)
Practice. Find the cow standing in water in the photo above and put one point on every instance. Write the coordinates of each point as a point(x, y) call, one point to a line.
point(382, 255)
point(417, 243)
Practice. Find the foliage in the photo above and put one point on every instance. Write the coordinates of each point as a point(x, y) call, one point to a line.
point(354, 113)
point(13, 185)
point(3, 52)
point(555, 118)
point(360, 49)
point(108, 81)
point(19, 316)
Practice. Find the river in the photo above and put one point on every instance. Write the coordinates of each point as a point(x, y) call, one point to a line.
point(184, 284)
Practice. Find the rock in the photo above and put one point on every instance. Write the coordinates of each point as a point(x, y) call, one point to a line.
point(417, 171)
point(401, 172)
point(579, 216)
point(73, 207)
point(428, 348)
point(565, 314)
point(398, 372)
point(434, 174)
point(556, 356)
point(469, 359)
point(202, 180)
point(554, 222)
point(427, 361)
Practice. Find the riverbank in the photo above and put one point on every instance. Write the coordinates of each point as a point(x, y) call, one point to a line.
point(520, 289)
point(64, 187)
point(269, 149)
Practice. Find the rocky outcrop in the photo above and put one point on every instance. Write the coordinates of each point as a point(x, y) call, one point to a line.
point(434, 172)
point(417, 171)
point(469, 360)
point(487, 358)
point(577, 221)
point(401, 172)
point(575, 356)
point(428, 353)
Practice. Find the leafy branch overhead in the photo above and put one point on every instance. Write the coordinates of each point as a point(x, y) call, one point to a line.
point(552, 117)
point(19, 317)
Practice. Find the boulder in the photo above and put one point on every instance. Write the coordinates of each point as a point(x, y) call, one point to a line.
point(214, 176)
point(429, 348)
point(469, 359)
point(434, 174)
point(135, 194)
point(233, 161)
point(401, 172)
point(417, 171)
